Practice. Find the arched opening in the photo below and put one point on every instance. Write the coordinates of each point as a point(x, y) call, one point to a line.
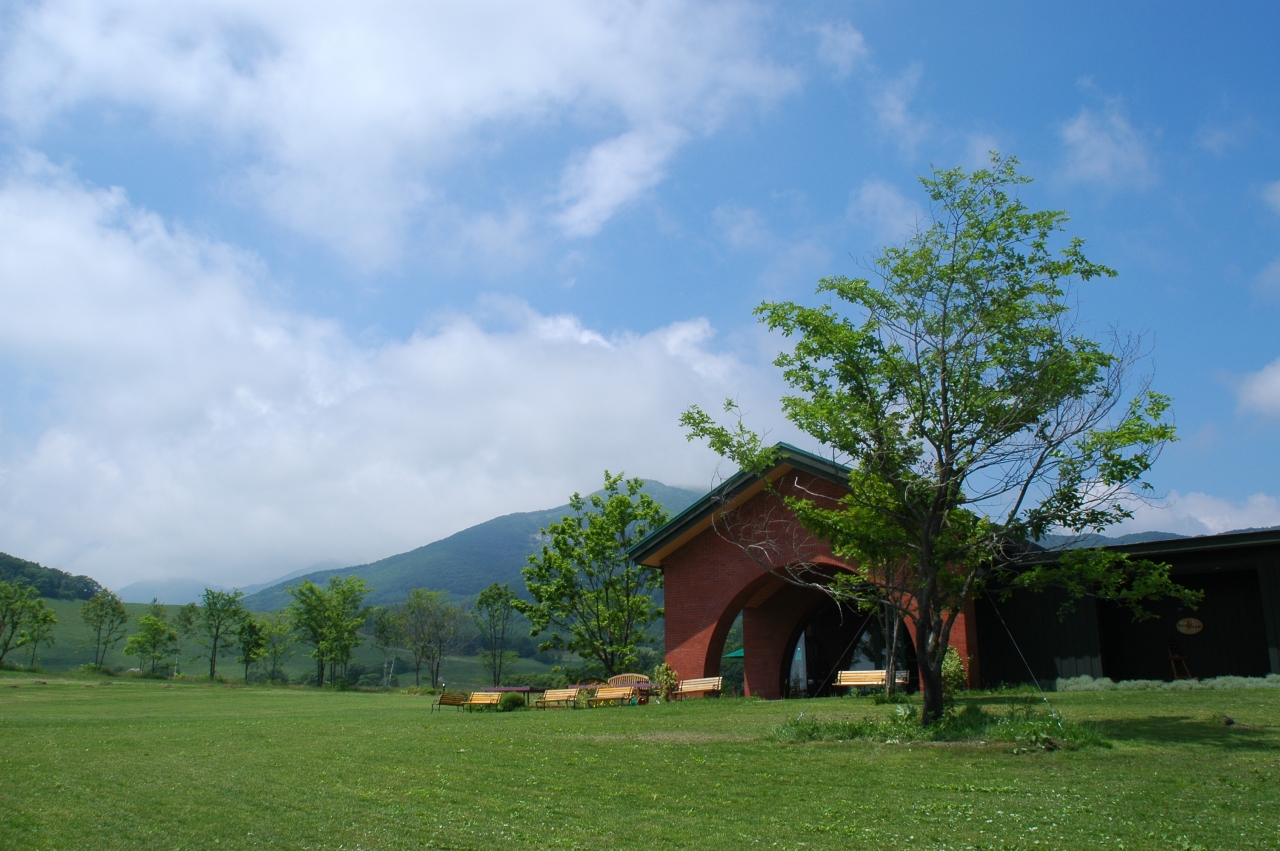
point(834, 637)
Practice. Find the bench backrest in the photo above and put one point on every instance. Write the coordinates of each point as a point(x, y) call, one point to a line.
point(452, 698)
point(555, 695)
point(700, 684)
point(869, 678)
point(627, 679)
point(485, 698)
point(615, 693)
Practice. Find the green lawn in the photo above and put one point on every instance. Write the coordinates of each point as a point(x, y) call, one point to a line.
point(139, 764)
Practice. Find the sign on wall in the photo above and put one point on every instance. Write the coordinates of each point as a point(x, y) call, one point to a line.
point(1190, 626)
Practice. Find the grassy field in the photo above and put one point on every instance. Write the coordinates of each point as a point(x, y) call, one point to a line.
point(146, 764)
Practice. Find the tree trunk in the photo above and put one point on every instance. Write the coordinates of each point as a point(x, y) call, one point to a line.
point(213, 660)
point(930, 677)
point(319, 671)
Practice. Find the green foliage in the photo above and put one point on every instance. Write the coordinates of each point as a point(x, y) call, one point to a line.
point(1106, 575)
point(388, 635)
point(329, 619)
point(18, 607)
point(954, 678)
point(973, 413)
point(48, 581)
point(1027, 729)
point(511, 701)
point(277, 644)
point(106, 616)
point(37, 629)
point(252, 641)
point(492, 612)
point(433, 630)
point(538, 682)
point(154, 641)
point(214, 622)
point(665, 679)
point(586, 591)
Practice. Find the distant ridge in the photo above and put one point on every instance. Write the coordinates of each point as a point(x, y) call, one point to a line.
point(49, 581)
point(463, 563)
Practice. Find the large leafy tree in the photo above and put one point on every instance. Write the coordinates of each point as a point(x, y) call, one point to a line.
point(585, 590)
point(106, 616)
point(493, 610)
point(432, 629)
point(329, 619)
point(37, 628)
point(277, 642)
point(975, 413)
point(214, 621)
point(154, 641)
point(18, 602)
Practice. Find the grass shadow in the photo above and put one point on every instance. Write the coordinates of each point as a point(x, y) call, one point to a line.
point(1183, 729)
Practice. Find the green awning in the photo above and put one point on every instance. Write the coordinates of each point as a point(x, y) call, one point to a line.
point(736, 654)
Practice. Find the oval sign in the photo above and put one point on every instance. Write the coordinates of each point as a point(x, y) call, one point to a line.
point(1189, 626)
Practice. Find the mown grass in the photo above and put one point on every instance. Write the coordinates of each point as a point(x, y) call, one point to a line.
point(138, 764)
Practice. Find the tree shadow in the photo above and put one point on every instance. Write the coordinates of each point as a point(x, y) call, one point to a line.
point(1183, 729)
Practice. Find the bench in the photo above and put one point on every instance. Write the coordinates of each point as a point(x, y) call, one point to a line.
point(869, 679)
point(480, 699)
point(622, 695)
point(566, 698)
point(451, 698)
point(703, 686)
point(627, 679)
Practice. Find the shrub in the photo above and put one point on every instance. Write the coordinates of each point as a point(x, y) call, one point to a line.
point(954, 678)
point(511, 701)
point(666, 679)
point(1087, 683)
point(537, 682)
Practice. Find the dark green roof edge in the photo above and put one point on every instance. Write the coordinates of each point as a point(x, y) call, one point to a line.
point(675, 527)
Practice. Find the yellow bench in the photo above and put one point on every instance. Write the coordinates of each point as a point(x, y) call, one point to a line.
point(702, 686)
point(451, 698)
point(622, 695)
point(562, 697)
point(482, 699)
point(869, 679)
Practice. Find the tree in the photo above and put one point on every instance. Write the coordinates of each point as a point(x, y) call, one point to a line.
point(17, 604)
point(214, 621)
point(595, 600)
point(329, 619)
point(492, 612)
point(277, 642)
point(252, 643)
point(154, 641)
point(388, 635)
point(433, 628)
point(106, 616)
point(975, 414)
point(38, 628)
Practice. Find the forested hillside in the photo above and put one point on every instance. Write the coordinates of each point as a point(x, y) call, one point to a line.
point(463, 563)
point(49, 582)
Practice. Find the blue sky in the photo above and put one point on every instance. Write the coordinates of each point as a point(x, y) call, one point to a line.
point(310, 282)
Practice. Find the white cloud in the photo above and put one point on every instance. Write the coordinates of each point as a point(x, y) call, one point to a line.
point(1271, 194)
point(892, 104)
point(841, 46)
point(1203, 514)
point(178, 425)
point(351, 115)
point(1259, 393)
point(1106, 149)
point(1266, 283)
point(887, 213)
point(743, 227)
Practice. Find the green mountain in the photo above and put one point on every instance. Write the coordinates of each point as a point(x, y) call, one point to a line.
point(49, 581)
point(463, 563)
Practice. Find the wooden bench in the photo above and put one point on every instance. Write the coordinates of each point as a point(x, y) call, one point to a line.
point(627, 679)
point(622, 695)
point(451, 698)
point(869, 679)
point(566, 698)
point(703, 686)
point(481, 699)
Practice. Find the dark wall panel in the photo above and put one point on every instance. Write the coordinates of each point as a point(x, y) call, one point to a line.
point(1233, 641)
point(1269, 584)
point(1053, 644)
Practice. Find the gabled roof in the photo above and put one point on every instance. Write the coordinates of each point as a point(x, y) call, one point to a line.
point(734, 491)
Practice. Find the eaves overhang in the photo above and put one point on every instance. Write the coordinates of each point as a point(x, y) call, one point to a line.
point(731, 493)
point(1187, 546)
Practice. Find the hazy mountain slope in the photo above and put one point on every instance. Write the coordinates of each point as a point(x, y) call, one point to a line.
point(49, 581)
point(463, 563)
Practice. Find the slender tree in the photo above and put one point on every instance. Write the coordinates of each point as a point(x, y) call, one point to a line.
point(309, 614)
point(388, 636)
point(278, 641)
point(154, 641)
point(17, 606)
point(106, 616)
point(593, 598)
point(38, 628)
point(329, 619)
point(252, 643)
point(214, 621)
point(433, 628)
point(493, 610)
point(975, 414)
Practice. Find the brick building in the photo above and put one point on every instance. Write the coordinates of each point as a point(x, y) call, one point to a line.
point(725, 557)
